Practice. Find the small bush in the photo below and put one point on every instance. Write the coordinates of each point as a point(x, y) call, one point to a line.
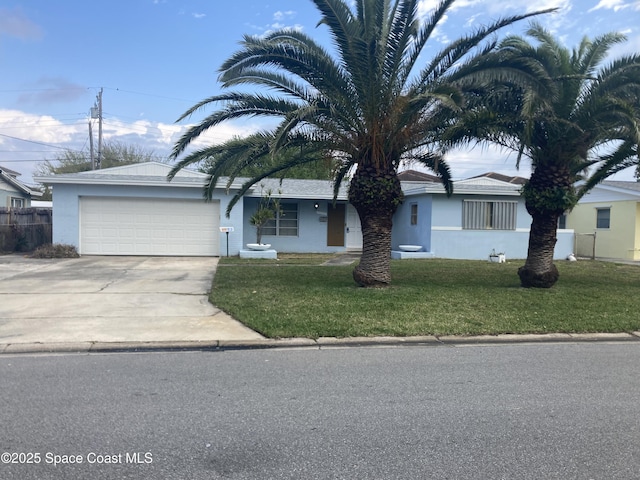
point(55, 250)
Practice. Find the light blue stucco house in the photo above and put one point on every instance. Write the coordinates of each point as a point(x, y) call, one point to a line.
point(134, 210)
point(485, 215)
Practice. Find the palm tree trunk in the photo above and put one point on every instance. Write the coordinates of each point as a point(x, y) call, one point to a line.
point(376, 196)
point(548, 193)
point(374, 269)
point(539, 270)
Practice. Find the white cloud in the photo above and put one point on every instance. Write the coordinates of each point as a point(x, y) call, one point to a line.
point(199, 15)
point(36, 128)
point(614, 5)
point(280, 15)
point(29, 139)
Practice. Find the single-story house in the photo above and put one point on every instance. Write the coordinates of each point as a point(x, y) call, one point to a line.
point(134, 210)
point(14, 193)
point(486, 214)
point(606, 221)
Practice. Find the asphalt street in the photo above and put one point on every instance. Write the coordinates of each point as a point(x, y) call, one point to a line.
point(545, 411)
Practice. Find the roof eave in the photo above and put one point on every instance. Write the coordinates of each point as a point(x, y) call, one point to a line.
point(130, 182)
point(476, 191)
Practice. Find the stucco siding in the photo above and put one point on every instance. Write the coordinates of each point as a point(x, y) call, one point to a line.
point(617, 241)
point(9, 191)
point(404, 233)
point(312, 228)
point(66, 221)
point(450, 240)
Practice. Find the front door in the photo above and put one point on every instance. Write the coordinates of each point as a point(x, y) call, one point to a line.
point(335, 225)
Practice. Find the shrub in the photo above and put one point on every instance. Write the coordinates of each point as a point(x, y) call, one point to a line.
point(55, 250)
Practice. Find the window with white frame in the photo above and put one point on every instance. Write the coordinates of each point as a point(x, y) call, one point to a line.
point(603, 217)
point(562, 221)
point(17, 202)
point(285, 224)
point(489, 215)
point(414, 214)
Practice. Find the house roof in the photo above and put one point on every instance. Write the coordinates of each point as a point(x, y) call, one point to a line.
point(138, 174)
point(9, 176)
point(612, 191)
point(502, 178)
point(297, 188)
point(416, 176)
point(155, 174)
point(486, 184)
point(634, 186)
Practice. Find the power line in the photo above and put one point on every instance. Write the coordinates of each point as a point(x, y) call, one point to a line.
point(149, 95)
point(33, 141)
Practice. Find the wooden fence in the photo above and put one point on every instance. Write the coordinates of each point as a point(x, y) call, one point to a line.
point(24, 229)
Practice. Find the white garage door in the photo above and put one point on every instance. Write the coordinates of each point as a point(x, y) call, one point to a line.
point(148, 226)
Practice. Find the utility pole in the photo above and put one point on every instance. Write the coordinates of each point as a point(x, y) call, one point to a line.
point(96, 112)
point(100, 129)
point(93, 160)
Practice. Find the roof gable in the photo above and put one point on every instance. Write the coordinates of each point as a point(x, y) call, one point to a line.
point(416, 176)
point(492, 177)
point(8, 177)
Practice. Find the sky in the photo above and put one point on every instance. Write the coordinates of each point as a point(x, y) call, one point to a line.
point(153, 59)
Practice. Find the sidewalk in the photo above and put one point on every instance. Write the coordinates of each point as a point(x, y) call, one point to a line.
point(116, 304)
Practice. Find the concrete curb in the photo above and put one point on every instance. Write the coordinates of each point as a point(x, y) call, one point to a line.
point(320, 343)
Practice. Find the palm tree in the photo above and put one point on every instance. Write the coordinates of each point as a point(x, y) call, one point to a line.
point(580, 126)
point(369, 107)
point(590, 121)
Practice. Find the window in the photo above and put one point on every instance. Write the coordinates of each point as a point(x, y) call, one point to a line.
point(603, 217)
point(414, 214)
point(286, 222)
point(17, 202)
point(488, 215)
point(562, 221)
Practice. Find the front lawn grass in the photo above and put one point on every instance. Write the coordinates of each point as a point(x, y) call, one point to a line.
point(297, 297)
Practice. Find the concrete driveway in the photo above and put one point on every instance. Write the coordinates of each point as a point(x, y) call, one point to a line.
point(111, 299)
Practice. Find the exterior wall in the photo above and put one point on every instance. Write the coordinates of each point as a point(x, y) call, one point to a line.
point(9, 191)
point(406, 234)
point(450, 240)
point(622, 239)
point(312, 232)
point(66, 221)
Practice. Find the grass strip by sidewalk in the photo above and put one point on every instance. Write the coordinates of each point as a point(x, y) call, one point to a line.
point(296, 297)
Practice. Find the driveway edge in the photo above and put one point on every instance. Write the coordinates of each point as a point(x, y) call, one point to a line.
point(320, 343)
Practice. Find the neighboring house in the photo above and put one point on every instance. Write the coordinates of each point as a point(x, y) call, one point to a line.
point(14, 193)
point(485, 214)
point(133, 210)
point(608, 218)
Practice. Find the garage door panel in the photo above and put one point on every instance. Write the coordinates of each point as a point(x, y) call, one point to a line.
point(143, 226)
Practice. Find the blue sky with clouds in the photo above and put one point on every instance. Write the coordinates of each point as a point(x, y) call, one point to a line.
point(156, 58)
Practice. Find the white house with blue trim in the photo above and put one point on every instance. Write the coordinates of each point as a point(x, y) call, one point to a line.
point(134, 210)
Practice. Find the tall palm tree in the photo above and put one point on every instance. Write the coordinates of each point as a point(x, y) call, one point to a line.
point(581, 126)
point(369, 106)
point(590, 122)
